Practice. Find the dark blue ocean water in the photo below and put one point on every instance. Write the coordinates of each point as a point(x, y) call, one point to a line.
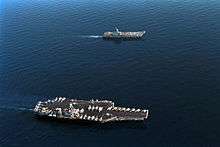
point(53, 48)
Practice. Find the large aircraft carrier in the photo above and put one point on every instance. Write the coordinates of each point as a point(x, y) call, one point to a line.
point(123, 35)
point(93, 110)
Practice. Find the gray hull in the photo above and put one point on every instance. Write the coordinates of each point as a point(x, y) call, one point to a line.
point(97, 111)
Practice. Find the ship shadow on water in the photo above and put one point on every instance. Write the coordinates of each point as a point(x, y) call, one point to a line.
point(92, 124)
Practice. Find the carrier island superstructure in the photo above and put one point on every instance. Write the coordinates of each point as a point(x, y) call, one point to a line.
point(93, 110)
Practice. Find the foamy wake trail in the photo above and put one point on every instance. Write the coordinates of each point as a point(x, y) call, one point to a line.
point(2, 108)
point(25, 109)
point(90, 36)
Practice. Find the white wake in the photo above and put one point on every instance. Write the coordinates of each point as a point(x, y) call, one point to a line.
point(90, 36)
point(14, 108)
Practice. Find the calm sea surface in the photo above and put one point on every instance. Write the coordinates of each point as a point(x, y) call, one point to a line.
point(53, 48)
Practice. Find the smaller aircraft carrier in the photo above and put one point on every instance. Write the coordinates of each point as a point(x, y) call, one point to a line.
point(123, 35)
point(93, 110)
